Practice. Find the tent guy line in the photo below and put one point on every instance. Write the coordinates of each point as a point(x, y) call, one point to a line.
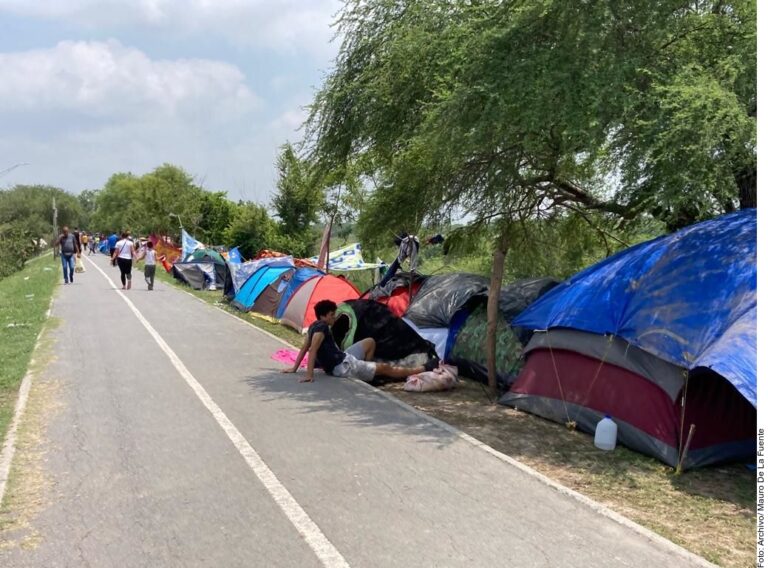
point(325, 551)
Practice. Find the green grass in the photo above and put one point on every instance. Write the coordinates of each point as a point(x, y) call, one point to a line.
point(24, 300)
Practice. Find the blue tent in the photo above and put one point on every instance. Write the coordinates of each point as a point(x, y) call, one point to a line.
point(688, 298)
point(298, 278)
point(256, 284)
point(662, 337)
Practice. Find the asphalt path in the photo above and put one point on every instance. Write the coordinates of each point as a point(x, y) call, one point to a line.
point(178, 443)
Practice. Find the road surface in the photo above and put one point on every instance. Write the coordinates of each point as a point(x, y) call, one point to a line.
point(177, 443)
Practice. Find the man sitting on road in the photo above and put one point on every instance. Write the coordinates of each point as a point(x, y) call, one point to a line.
point(357, 361)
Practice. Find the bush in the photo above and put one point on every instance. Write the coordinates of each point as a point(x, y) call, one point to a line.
point(16, 246)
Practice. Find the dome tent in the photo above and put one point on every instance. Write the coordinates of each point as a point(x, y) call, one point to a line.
point(296, 281)
point(256, 284)
point(467, 333)
point(358, 319)
point(204, 268)
point(398, 292)
point(299, 312)
point(661, 336)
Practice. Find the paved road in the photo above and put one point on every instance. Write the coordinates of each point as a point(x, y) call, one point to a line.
point(144, 474)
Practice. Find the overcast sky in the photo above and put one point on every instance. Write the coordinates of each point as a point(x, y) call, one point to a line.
point(93, 87)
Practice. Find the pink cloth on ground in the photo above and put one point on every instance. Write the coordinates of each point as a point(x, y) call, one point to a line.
point(288, 356)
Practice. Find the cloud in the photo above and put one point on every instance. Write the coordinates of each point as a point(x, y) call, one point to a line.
point(280, 25)
point(108, 79)
point(80, 111)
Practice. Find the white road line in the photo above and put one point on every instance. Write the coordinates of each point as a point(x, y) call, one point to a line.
point(325, 551)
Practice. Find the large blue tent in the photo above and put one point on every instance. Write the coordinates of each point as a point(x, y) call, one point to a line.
point(661, 336)
point(689, 298)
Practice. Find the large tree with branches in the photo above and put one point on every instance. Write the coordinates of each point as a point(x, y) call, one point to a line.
point(520, 110)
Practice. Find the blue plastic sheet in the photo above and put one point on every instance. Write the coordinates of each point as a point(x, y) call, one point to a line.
point(688, 298)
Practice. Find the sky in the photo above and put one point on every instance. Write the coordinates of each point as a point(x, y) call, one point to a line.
point(89, 88)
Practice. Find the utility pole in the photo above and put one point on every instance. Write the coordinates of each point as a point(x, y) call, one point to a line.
point(55, 229)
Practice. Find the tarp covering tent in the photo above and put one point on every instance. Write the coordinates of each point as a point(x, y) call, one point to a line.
point(660, 336)
point(239, 272)
point(358, 319)
point(299, 311)
point(442, 296)
point(398, 292)
point(204, 268)
point(256, 284)
point(205, 255)
point(469, 326)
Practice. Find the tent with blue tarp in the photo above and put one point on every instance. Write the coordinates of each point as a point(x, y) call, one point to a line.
point(240, 272)
point(256, 284)
point(661, 336)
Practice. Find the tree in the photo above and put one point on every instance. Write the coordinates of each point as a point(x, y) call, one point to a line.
point(508, 113)
point(298, 200)
point(216, 213)
point(251, 229)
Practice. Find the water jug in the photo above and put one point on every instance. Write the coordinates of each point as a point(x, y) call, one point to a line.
point(605, 434)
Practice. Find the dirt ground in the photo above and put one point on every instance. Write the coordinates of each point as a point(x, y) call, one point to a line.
point(710, 511)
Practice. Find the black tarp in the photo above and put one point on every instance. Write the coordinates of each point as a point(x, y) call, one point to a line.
point(442, 296)
point(394, 338)
point(521, 294)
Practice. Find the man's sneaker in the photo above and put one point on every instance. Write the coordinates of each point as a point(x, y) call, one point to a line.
point(432, 364)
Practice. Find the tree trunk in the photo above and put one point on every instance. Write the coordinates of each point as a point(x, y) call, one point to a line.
point(746, 179)
point(499, 256)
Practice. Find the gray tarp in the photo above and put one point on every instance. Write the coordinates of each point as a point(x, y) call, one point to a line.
point(442, 296)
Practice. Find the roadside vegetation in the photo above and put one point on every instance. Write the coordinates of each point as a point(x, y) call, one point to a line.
point(24, 300)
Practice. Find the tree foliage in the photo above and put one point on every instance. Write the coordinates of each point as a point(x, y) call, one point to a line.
point(521, 110)
point(297, 201)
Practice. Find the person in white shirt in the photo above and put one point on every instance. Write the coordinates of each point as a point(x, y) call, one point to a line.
point(125, 253)
point(149, 254)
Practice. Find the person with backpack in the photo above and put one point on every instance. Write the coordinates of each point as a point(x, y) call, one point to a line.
point(124, 255)
point(69, 247)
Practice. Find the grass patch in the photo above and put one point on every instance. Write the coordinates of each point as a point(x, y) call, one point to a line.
point(24, 300)
point(709, 511)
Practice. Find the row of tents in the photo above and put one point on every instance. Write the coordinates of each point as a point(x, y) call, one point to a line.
point(661, 336)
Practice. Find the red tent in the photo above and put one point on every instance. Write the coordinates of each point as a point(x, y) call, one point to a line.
point(300, 310)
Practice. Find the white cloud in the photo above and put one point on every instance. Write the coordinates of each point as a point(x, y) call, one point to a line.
point(80, 111)
point(281, 25)
point(108, 79)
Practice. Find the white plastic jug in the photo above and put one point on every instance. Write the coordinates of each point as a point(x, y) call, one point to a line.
point(605, 434)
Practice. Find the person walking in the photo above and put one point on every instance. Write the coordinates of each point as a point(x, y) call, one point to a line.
point(93, 242)
point(124, 254)
point(150, 261)
point(69, 248)
point(112, 242)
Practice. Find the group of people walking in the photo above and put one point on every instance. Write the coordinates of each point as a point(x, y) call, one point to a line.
point(122, 252)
